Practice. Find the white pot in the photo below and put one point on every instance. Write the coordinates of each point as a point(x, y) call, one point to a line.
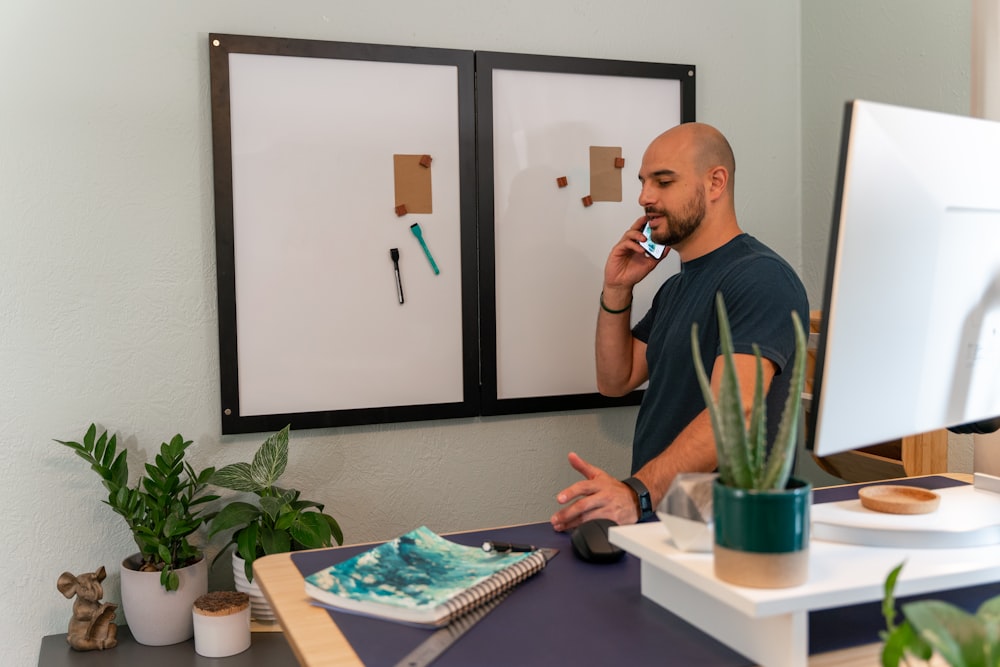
point(260, 608)
point(156, 616)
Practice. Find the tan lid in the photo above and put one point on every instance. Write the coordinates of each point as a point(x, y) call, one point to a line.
point(221, 603)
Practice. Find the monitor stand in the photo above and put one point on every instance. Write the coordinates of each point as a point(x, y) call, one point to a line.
point(770, 626)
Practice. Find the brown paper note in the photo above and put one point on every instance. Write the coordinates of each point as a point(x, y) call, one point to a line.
point(605, 178)
point(413, 183)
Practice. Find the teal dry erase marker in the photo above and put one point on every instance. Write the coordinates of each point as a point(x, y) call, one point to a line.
point(415, 228)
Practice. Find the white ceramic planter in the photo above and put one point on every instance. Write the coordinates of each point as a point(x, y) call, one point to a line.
point(155, 616)
point(260, 608)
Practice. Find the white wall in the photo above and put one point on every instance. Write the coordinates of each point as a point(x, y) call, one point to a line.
point(107, 283)
point(908, 52)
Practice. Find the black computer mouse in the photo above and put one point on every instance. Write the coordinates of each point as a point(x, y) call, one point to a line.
point(590, 542)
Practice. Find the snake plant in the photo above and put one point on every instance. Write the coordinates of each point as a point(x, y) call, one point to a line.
point(745, 461)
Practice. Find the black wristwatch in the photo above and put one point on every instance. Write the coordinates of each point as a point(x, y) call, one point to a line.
point(642, 494)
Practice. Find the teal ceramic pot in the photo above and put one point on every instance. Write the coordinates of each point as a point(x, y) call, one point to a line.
point(762, 537)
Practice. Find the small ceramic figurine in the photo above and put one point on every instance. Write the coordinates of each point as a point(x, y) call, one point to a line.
point(92, 626)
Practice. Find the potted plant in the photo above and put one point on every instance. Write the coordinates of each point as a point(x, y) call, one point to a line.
point(162, 510)
point(936, 627)
point(280, 521)
point(760, 512)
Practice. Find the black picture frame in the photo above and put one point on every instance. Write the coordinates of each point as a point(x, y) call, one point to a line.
point(383, 384)
point(571, 302)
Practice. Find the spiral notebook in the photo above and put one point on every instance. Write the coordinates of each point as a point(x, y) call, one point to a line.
point(420, 578)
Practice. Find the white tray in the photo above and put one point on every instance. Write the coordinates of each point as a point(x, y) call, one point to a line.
point(966, 517)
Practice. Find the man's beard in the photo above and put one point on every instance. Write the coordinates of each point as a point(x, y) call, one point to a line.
point(678, 227)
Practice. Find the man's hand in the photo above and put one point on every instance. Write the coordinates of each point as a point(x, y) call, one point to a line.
point(628, 262)
point(599, 495)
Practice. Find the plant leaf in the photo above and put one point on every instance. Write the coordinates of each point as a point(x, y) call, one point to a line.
point(233, 515)
point(335, 532)
point(246, 543)
point(731, 410)
point(274, 541)
point(957, 636)
point(271, 459)
point(236, 477)
point(311, 530)
point(721, 450)
point(169, 579)
point(888, 597)
point(757, 434)
point(782, 454)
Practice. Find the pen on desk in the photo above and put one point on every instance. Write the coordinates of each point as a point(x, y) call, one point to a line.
point(394, 255)
point(506, 547)
point(415, 228)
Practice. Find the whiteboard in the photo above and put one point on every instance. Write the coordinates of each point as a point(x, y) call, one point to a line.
point(309, 141)
point(546, 248)
point(312, 327)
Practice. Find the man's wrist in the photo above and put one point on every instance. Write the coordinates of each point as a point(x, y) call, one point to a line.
point(644, 502)
point(614, 307)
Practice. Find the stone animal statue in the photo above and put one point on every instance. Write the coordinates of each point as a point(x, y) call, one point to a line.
point(92, 626)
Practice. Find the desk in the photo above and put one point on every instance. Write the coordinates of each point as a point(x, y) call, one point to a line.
point(266, 648)
point(570, 613)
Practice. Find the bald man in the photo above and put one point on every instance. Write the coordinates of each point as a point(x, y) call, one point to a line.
point(687, 195)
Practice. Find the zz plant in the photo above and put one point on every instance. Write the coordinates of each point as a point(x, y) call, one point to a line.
point(744, 459)
point(162, 509)
point(280, 521)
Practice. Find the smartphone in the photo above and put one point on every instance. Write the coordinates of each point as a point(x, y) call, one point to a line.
point(651, 247)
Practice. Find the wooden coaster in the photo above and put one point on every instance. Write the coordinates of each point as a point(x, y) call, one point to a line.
point(895, 499)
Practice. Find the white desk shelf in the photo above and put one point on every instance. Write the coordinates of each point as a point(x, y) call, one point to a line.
point(771, 625)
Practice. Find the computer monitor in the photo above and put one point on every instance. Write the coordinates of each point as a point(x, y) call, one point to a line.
point(910, 333)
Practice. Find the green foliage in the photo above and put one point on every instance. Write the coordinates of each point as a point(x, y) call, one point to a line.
point(280, 522)
point(162, 509)
point(933, 626)
point(744, 459)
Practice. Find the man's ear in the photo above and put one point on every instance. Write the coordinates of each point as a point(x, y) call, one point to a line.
point(718, 182)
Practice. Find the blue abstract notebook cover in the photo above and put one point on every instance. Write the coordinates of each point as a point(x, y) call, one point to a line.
point(420, 578)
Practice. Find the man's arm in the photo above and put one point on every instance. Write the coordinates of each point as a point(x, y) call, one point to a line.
point(599, 495)
point(694, 448)
point(620, 358)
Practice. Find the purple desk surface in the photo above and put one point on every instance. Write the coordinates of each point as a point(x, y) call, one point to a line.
point(576, 613)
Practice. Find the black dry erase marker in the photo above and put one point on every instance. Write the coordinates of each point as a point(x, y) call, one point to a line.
point(394, 255)
point(507, 547)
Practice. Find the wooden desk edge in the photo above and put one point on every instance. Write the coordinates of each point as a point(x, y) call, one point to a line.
point(314, 637)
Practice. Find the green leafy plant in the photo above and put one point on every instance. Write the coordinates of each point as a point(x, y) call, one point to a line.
point(933, 626)
point(162, 509)
point(281, 521)
point(744, 459)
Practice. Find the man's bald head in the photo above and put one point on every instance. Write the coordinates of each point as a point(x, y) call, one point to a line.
point(704, 145)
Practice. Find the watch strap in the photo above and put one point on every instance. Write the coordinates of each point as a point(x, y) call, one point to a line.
point(642, 495)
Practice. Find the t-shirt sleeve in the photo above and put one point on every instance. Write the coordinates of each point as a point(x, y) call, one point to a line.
point(760, 298)
point(642, 328)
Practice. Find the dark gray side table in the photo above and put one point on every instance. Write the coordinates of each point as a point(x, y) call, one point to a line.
point(267, 649)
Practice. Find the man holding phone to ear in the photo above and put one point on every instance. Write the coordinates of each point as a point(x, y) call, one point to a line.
point(687, 195)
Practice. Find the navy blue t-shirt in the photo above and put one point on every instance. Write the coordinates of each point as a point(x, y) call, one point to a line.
point(760, 291)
